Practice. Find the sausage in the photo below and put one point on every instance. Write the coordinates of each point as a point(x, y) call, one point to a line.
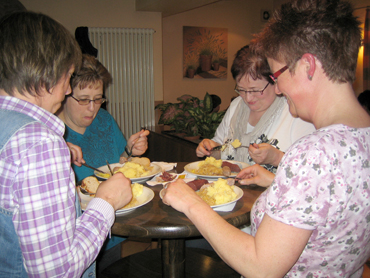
point(197, 184)
point(166, 176)
point(226, 171)
point(233, 167)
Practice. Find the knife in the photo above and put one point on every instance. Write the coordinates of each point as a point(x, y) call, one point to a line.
point(110, 169)
point(96, 169)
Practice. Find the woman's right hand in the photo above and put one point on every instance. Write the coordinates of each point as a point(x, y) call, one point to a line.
point(180, 196)
point(256, 174)
point(205, 146)
point(116, 190)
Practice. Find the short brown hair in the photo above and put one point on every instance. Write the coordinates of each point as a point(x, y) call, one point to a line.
point(324, 28)
point(91, 72)
point(35, 52)
point(248, 61)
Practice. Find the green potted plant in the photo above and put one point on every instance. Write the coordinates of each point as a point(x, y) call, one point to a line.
point(191, 116)
point(205, 120)
point(176, 115)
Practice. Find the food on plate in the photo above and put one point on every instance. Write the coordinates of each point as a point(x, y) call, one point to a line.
point(90, 184)
point(137, 190)
point(197, 184)
point(165, 176)
point(215, 167)
point(143, 161)
point(133, 170)
point(217, 193)
point(233, 167)
point(210, 166)
point(236, 143)
point(226, 171)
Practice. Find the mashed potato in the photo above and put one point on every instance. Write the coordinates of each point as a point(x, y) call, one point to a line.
point(210, 166)
point(133, 170)
point(137, 190)
point(236, 143)
point(218, 193)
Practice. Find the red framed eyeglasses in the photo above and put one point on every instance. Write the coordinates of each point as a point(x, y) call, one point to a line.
point(275, 75)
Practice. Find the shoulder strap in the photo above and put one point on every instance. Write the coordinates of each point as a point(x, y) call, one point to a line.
point(10, 123)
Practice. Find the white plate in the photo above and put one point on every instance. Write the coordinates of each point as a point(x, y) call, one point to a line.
point(143, 199)
point(155, 170)
point(223, 207)
point(194, 166)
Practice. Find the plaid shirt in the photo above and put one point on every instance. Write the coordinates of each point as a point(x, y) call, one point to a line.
point(38, 185)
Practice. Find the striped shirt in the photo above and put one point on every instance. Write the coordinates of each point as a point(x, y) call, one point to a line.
point(37, 183)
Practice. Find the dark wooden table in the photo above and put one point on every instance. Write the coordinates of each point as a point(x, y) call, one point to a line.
point(156, 220)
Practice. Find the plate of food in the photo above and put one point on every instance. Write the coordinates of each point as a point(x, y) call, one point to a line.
point(213, 169)
point(139, 169)
point(141, 195)
point(218, 194)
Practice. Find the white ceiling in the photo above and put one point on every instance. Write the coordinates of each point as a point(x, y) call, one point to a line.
point(171, 7)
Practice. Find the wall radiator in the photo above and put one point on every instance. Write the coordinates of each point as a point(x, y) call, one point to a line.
point(127, 53)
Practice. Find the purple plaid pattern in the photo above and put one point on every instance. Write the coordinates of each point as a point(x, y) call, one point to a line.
point(366, 62)
point(37, 184)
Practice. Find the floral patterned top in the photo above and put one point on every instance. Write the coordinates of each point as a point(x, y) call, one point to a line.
point(322, 184)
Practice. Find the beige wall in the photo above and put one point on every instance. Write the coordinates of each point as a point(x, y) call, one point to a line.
point(240, 17)
point(105, 13)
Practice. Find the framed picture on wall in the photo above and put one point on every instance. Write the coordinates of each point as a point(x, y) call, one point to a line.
point(204, 52)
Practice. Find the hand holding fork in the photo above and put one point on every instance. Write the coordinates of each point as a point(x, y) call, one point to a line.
point(129, 151)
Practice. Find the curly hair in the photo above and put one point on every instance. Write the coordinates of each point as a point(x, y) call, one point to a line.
point(324, 28)
point(35, 53)
point(249, 61)
point(91, 73)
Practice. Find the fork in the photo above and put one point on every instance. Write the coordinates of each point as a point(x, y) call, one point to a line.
point(129, 152)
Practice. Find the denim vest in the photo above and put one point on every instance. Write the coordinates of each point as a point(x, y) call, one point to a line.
point(11, 259)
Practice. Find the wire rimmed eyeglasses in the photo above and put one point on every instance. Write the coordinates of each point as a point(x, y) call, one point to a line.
point(276, 74)
point(252, 92)
point(87, 101)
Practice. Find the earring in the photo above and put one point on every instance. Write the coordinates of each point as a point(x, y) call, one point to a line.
point(310, 77)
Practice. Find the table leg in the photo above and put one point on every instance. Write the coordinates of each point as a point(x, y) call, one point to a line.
point(173, 258)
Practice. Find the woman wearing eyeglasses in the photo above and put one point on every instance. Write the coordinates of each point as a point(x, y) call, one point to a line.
point(256, 116)
point(96, 132)
point(314, 219)
point(89, 126)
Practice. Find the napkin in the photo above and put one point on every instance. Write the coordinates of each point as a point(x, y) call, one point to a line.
point(184, 175)
point(165, 165)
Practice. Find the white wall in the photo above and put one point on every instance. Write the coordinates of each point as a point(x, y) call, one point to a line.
point(105, 13)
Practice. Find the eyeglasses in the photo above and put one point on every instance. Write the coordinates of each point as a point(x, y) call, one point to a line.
point(275, 76)
point(253, 92)
point(87, 101)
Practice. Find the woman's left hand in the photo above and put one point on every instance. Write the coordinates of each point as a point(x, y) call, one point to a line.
point(265, 154)
point(76, 154)
point(140, 142)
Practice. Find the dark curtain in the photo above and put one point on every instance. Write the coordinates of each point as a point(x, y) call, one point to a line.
point(366, 61)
